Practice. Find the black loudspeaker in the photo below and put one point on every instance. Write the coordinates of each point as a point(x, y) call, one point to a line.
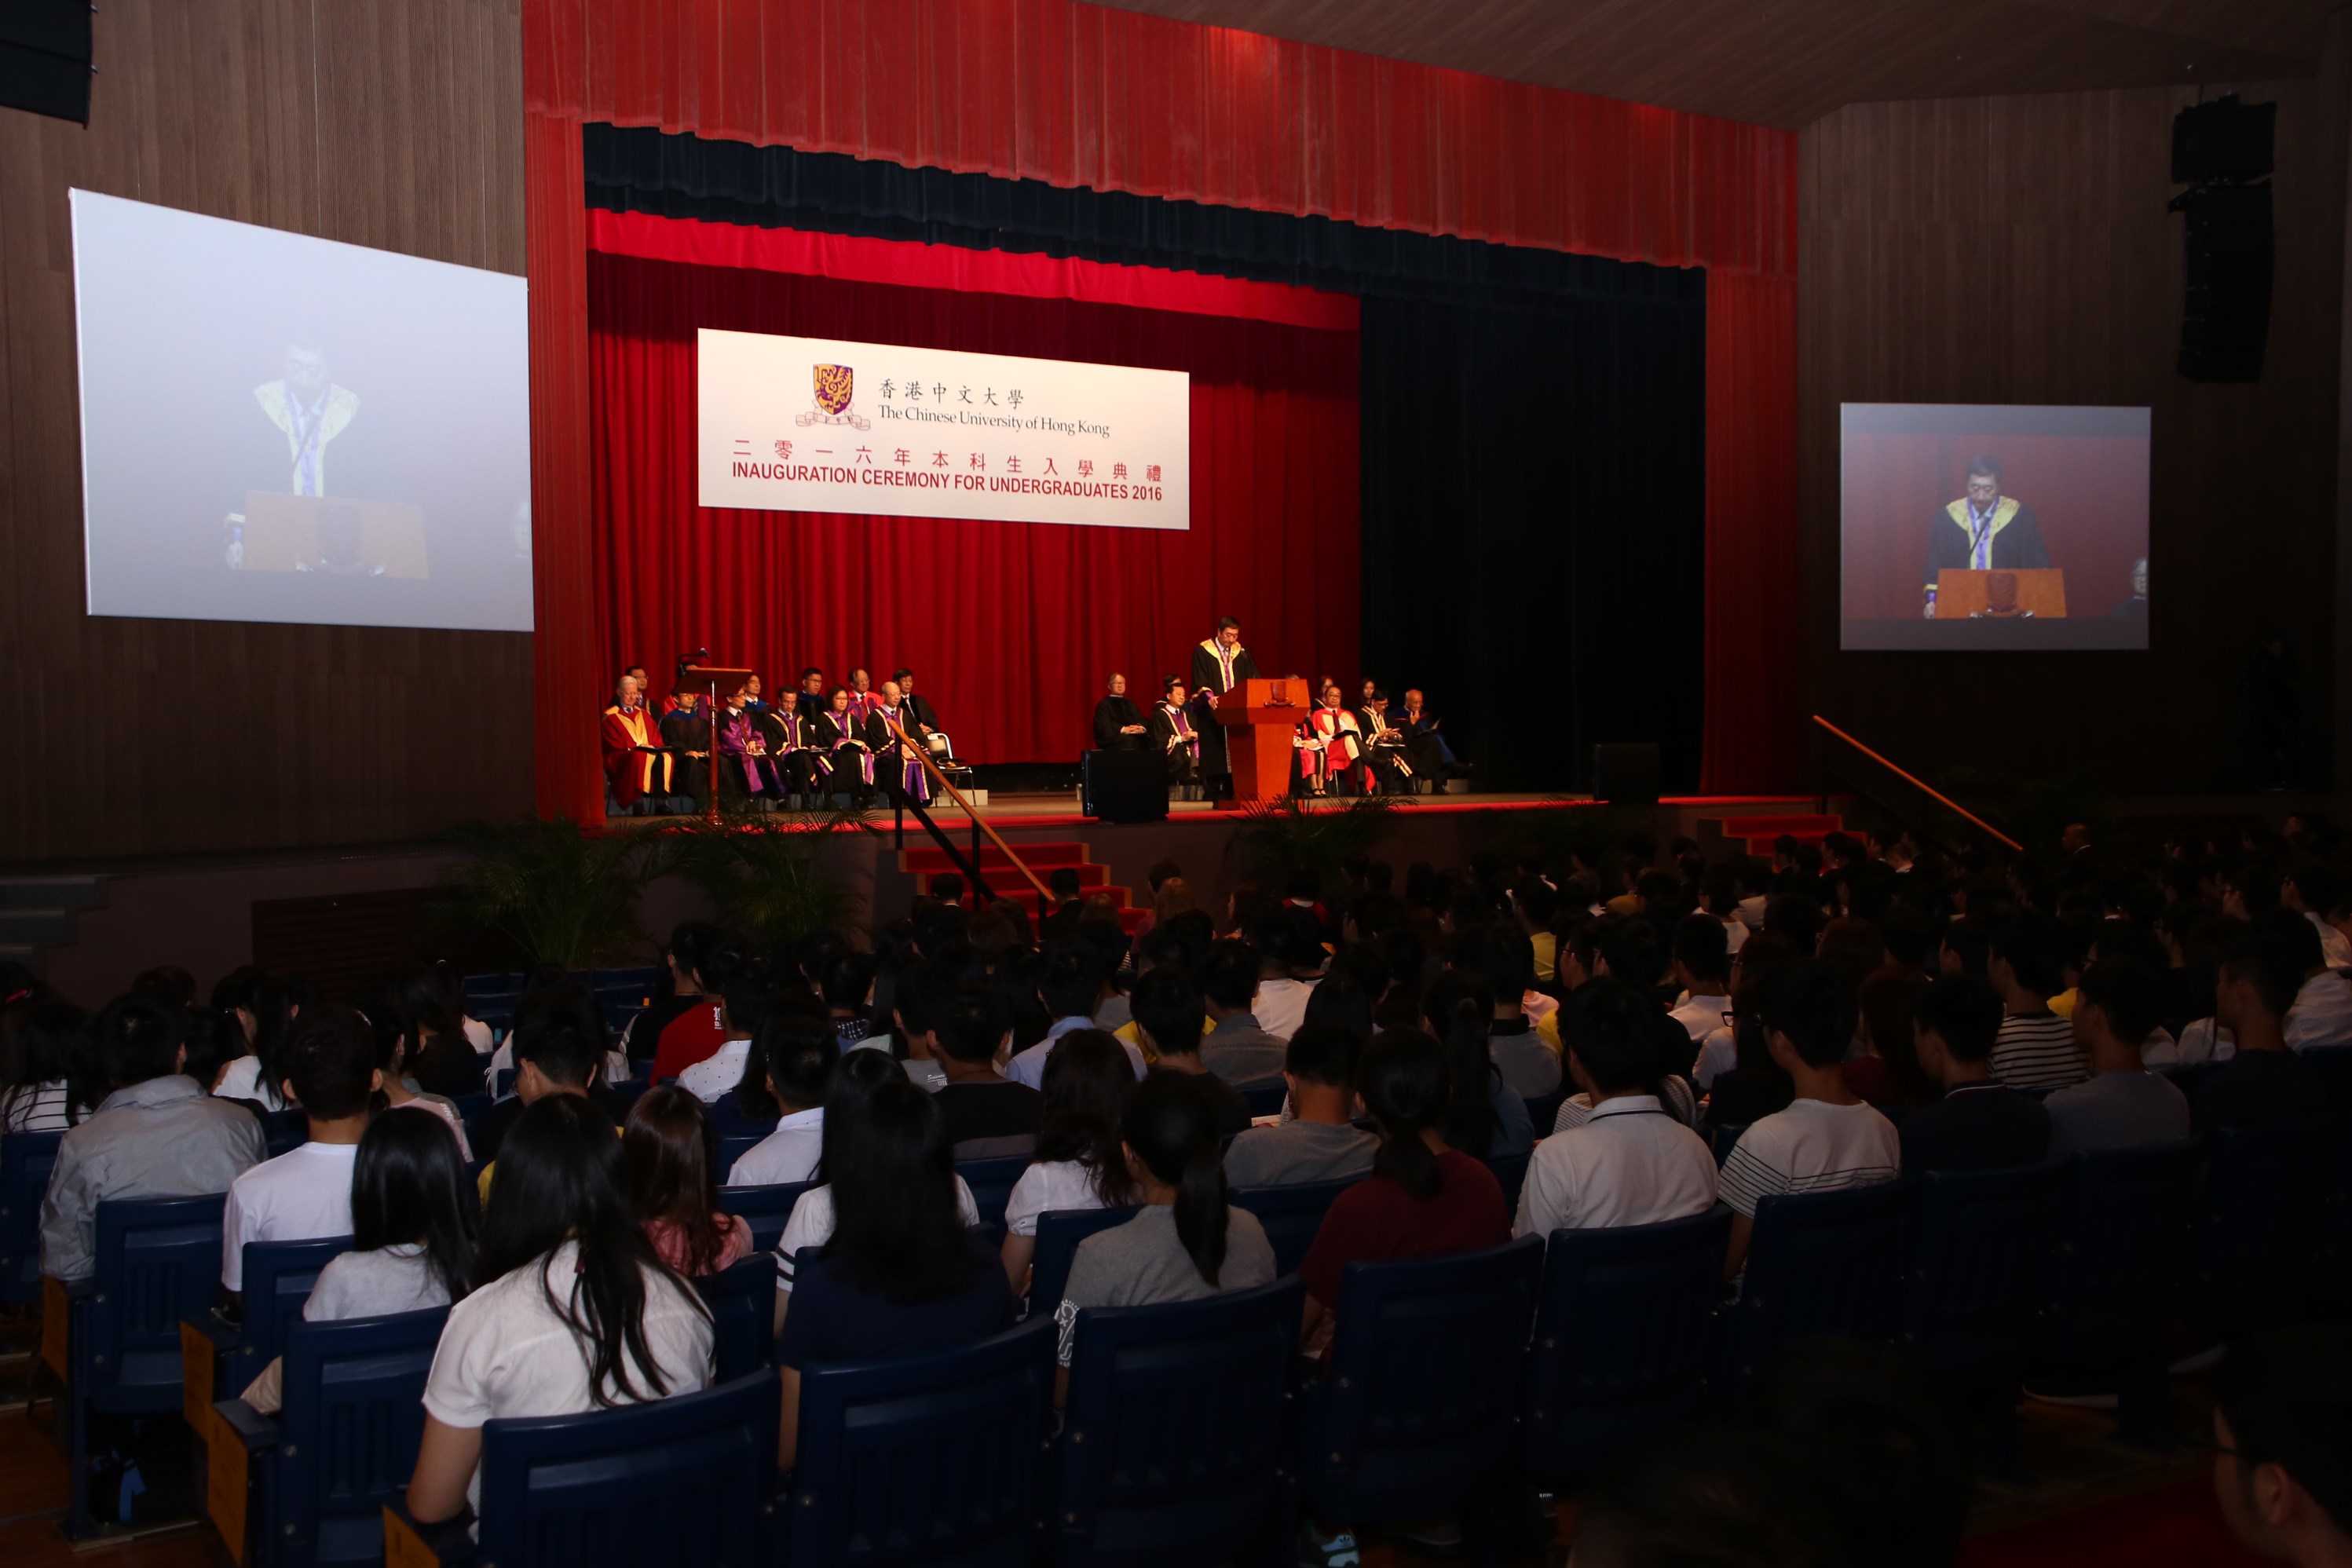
point(44, 55)
point(1124, 785)
point(2221, 151)
point(1625, 773)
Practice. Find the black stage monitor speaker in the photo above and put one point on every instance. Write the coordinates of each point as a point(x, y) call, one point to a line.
point(1626, 773)
point(1125, 785)
point(45, 57)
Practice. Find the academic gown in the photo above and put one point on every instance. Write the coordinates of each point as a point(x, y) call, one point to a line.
point(903, 772)
point(2016, 540)
point(684, 732)
point(1111, 715)
point(1216, 671)
point(841, 737)
point(634, 762)
point(1173, 736)
point(810, 706)
point(1385, 751)
point(745, 747)
point(1328, 745)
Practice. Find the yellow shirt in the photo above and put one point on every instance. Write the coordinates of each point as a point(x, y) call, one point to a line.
point(1546, 953)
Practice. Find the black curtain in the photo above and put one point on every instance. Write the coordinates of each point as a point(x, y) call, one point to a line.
point(1533, 426)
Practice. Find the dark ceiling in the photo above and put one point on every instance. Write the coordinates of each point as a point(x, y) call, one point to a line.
point(1789, 62)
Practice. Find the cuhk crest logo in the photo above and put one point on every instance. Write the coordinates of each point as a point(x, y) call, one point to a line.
point(836, 386)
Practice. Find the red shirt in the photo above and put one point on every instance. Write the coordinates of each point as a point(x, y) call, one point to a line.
point(1375, 1221)
point(693, 1036)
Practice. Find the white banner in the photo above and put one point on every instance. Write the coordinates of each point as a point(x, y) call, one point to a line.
point(808, 425)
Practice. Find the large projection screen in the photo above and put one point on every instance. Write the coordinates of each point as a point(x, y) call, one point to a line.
point(280, 428)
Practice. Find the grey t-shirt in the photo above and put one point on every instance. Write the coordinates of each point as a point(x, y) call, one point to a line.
point(376, 1284)
point(1297, 1152)
point(1142, 1263)
point(2116, 1110)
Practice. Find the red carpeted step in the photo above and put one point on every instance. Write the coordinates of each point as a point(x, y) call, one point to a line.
point(930, 861)
point(1039, 857)
point(2176, 1525)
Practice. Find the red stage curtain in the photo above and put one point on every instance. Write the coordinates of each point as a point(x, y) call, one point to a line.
point(1011, 627)
point(1073, 94)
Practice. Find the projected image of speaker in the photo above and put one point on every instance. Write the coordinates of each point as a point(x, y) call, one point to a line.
point(1625, 773)
point(1124, 785)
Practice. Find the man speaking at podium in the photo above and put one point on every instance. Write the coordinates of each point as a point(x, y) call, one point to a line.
point(1982, 531)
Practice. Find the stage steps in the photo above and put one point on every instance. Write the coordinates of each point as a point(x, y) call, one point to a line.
point(1754, 835)
point(930, 861)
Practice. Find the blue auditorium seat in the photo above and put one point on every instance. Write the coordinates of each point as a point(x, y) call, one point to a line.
point(1265, 1097)
point(894, 1468)
point(1291, 1216)
point(1621, 1337)
point(307, 1485)
point(2259, 1228)
point(26, 1161)
point(1510, 1175)
point(730, 1149)
point(158, 1264)
point(1544, 1109)
point(1059, 1231)
point(742, 1302)
point(1174, 1443)
point(767, 1208)
point(1818, 1263)
point(220, 1358)
point(992, 1182)
point(283, 1131)
point(1418, 1411)
point(2122, 1249)
point(1723, 1139)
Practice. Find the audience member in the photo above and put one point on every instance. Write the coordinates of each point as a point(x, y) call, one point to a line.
point(1702, 968)
point(306, 1192)
point(1979, 1124)
point(798, 1052)
point(1290, 953)
point(44, 1047)
point(2036, 1049)
point(156, 1134)
point(742, 1007)
point(1525, 1049)
point(698, 1032)
point(1237, 1049)
point(1079, 1163)
point(2283, 1443)
point(1071, 989)
point(574, 1309)
point(1319, 1143)
point(1169, 1013)
point(2121, 1104)
point(986, 1112)
point(688, 941)
point(268, 1015)
point(2264, 1083)
point(559, 1049)
point(445, 1059)
point(1632, 1162)
point(2322, 1014)
point(1483, 1118)
point(395, 1046)
point(668, 1149)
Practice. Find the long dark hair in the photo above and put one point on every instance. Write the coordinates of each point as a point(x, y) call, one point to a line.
point(897, 1227)
point(855, 1075)
point(668, 1149)
point(1404, 1080)
point(561, 1178)
point(1088, 1081)
point(1460, 1009)
point(49, 1043)
point(273, 1007)
point(1172, 1128)
point(409, 1185)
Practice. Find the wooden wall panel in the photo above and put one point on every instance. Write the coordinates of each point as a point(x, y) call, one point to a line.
point(394, 124)
point(2018, 250)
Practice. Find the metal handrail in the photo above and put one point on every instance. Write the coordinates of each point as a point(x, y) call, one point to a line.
point(924, 758)
point(1920, 784)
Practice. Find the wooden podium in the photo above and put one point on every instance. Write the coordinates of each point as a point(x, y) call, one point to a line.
point(1259, 717)
point(2006, 593)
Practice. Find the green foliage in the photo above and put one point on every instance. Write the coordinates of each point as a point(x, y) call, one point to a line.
point(1277, 837)
point(563, 896)
point(761, 870)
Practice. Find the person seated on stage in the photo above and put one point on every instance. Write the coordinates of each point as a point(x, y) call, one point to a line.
point(1387, 752)
point(840, 734)
point(685, 730)
point(743, 748)
point(862, 695)
point(1329, 747)
point(809, 702)
point(922, 718)
point(635, 765)
point(1428, 749)
point(890, 731)
point(753, 697)
point(1118, 722)
point(1172, 733)
point(800, 762)
point(1218, 665)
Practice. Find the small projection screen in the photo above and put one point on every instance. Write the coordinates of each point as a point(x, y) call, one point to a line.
point(1970, 526)
point(281, 428)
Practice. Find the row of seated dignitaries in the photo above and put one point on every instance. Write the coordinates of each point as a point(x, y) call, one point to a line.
point(851, 739)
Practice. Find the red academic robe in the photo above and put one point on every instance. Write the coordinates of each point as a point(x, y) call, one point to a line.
point(633, 758)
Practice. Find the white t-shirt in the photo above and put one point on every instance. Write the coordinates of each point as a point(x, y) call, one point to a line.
point(1062, 1184)
point(1719, 1053)
point(1701, 1016)
point(2322, 1013)
point(507, 1352)
point(478, 1035)
point(1280, 1006)
point(1812, 1146)
point(787, 1154)
point(811, 1225)
point(2201, 1040)
point(710, 1079)
point(2333, 946)
point(241, 1079)
point(399, 1278)
point(1632, 1163)
point(300, 1195)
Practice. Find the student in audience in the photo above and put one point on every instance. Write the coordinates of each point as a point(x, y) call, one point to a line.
point(2264, 1084)
point(2283, 1443)
point(2322, 1014)
point(1289, 943)
point(1828, 1138)
point(1979, 1124)
point(413, 1218)
point(1632, 1162)
point(306, 1192)
point(1169, 1014)
point(901, 1272)
point(157, 1134)
point(1702, 968)
point(1425, 1197)
point(572, 1310)
point(1525, 1052)
point(699, 1030)
point(849, 997)
point(2121, 1104)
point(667, 1148)
point(445, 1058)
point(394, 1043)
point(1483, 1118)
point(269, 1011)
point(559, 1049)
point(1236, 1049)
point(2036, 1050)
point(1319, 1143)
point(37, 1095)
point(688, 941)
point(982, 1105)
point(799, 1052)
point(1079, 1163)
point(742, 1007)
point(1069, 989)
point(1186, 1242)
point(212, 1040)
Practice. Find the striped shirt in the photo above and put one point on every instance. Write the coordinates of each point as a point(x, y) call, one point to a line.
point(1812, 1146)
point(36, 1108)
point(2037, 1052)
